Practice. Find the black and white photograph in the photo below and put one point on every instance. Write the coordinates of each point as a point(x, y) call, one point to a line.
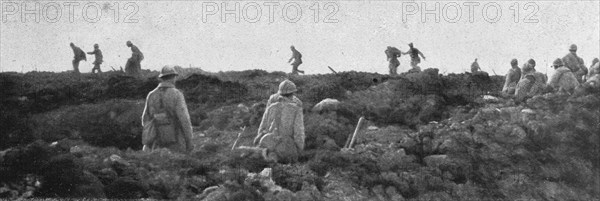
point(306, 100)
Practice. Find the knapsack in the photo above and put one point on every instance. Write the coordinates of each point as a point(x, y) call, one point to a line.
point(275, 142)
point(164, 122)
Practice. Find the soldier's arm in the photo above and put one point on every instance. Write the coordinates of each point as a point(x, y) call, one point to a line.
point(263, 125)
point(421, 53)
point(184, 119)
point(299, 129)
point(270, 101)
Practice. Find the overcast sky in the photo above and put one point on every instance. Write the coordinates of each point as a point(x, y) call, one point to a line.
point(354, 36)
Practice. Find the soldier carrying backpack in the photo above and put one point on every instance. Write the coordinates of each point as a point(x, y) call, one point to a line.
point(281, 131)
point(166, 120)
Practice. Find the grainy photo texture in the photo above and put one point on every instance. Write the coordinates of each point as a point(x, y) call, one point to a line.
point(299, 100)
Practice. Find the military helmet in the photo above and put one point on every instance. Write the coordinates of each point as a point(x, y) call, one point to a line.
point(514, 62)
point(573, 47)
point(527, 67)
point(96, 45)
point(287, 87)
point(167, 70)
point(557, 63)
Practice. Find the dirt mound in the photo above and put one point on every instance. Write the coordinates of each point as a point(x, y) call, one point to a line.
point(210, 90)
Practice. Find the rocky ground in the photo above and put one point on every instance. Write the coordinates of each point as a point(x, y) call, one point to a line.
point(427, 137)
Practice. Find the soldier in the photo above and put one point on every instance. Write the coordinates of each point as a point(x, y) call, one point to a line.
point(575, 63)
point(414, 57)
point(512, 78)
point(79, 55)
point(166, 109)
point(392, 54)
point(539, 85)
point(563, 79)
point(98, 54)
point(133, 66)
point(297, 57)
point(281, 130)
point(475, 67)
point(525, 88)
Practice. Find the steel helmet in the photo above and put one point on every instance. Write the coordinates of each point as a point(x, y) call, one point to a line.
point(167, 70)
point(573, 47)
point(527, 68)
point(531, 61)
point(96, 45)
point(557, 63)
point(287, 87)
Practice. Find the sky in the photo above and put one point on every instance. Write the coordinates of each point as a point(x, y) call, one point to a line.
point(346, 35)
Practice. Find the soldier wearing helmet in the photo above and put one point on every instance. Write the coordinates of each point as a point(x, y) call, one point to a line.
point(563, 79)
point(575, 63)
point(166, 109)
point(475, 66)
point(392, 54)
point(414, 57)
point(79, 55)
point(133, 65)
point(98, 54)
point(512, 78)
point(281, 130)
point(285, 93)
point(539, 86)
point(297, 57)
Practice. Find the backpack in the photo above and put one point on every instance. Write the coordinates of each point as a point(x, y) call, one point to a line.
point(278, 144)
point(162, 129)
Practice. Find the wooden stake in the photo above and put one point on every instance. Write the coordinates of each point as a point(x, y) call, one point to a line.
point(238, 138)
point(358, 126)
point(331, 69)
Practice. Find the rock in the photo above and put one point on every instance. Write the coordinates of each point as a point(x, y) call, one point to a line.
point(489, 98)
point(117, 159)
point(436, 160)
point(371, 128)
point(327, 104)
